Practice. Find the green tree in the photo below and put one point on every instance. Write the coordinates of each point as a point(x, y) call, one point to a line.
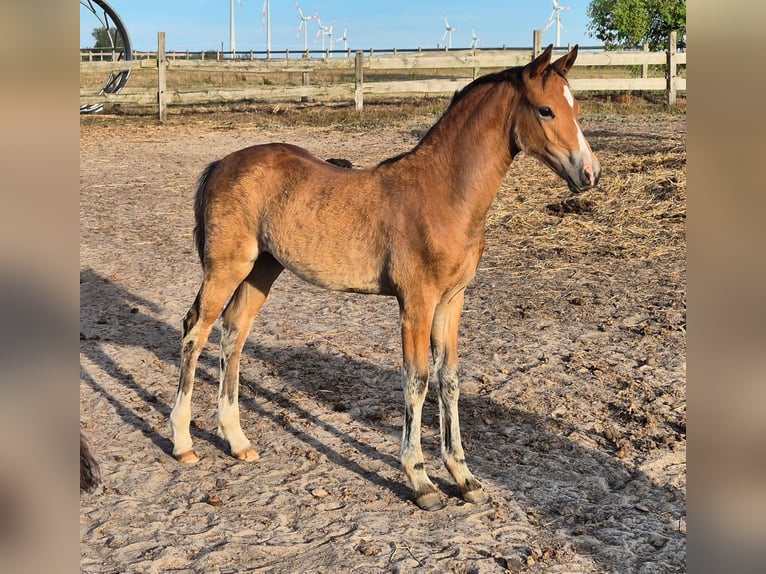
point(628, 23)
point(107, 38)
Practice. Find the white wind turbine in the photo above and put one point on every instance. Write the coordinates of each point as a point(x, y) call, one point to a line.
point(448, 30)
point(474, 39)
point(266, 16)
point(556, 17)
point(328, 33)
point(303, 24)
point(324, 31)
point(344, 38)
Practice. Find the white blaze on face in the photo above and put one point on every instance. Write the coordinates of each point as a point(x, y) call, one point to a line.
point(568, 96)
point(582, 143)
point(585, 152)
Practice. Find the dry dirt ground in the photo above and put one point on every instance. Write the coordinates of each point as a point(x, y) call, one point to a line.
point(573, 403)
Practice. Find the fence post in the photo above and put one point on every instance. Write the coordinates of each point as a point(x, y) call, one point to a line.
point(537, 43)
point(672, 69)
point(305, 82)
point(162, 66)
point(645, 67)
point(358, 80)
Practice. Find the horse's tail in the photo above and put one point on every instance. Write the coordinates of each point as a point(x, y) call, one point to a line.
point(199, 209)
point(90, 474)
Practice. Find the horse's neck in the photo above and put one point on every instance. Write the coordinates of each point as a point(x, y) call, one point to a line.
point(468, 151)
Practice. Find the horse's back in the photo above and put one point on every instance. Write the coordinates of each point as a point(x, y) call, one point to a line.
point(327, 224)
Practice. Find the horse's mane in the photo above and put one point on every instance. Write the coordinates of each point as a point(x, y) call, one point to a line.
point(511, 75)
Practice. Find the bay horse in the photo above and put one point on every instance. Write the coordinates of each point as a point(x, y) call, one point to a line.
point(411, 227)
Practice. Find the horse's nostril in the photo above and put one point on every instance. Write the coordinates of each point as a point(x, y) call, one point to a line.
point(588, 175)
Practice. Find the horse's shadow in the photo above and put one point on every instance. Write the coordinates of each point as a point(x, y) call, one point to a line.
point(116, 316)
point(496, 447)
point(110, 314)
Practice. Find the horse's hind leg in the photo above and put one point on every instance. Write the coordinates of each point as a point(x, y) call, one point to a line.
point(217, 286)
point(237, 320)
point(444, 347)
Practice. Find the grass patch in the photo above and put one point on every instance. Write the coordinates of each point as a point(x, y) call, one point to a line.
point(378, 112)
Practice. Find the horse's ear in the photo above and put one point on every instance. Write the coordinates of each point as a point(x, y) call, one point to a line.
point(565, 62)
point(539, 64)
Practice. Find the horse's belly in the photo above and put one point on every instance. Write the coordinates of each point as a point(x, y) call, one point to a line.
point(339, 280)
point(338, 263)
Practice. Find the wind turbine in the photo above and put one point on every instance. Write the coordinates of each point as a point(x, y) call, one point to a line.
point(329, 32)
point(232, 33)
point(474, 39)
point(557, 8)
point(344, 38)
point(448, 30)
point(266, 16)
point(324, 31)
point(304, 25)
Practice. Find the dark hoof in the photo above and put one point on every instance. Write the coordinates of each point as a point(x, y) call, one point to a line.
point(429, 501)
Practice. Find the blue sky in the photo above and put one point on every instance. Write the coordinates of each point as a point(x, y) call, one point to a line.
point(381, 24)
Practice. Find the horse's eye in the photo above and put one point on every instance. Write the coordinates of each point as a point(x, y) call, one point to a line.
point(545, 112)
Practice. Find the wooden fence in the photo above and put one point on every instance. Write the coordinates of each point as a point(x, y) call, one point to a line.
point(475, 61)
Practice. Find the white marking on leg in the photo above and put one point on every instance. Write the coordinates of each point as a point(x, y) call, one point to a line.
point(180, 419)
point(452, 447)
point(411, 452)
point(229, 427)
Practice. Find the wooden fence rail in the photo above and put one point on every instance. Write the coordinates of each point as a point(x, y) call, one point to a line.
point(470, 62)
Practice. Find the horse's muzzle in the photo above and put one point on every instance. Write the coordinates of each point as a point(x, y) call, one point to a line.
point(585, 178)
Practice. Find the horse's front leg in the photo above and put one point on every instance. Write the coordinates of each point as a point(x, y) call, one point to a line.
point(415, 335)
point(444, 347)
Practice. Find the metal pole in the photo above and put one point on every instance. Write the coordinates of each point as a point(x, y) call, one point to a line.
point(232, 38)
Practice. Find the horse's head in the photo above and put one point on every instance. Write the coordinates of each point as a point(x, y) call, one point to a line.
point(546, 125)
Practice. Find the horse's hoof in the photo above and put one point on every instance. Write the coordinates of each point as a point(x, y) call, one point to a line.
point(187, 457)
point(247, 454)
point(476, 496)
point(429, 501)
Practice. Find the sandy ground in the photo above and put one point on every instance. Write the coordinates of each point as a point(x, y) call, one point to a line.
point(573, 403)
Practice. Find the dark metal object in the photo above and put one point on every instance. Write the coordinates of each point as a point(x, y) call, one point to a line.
point(121, 49)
